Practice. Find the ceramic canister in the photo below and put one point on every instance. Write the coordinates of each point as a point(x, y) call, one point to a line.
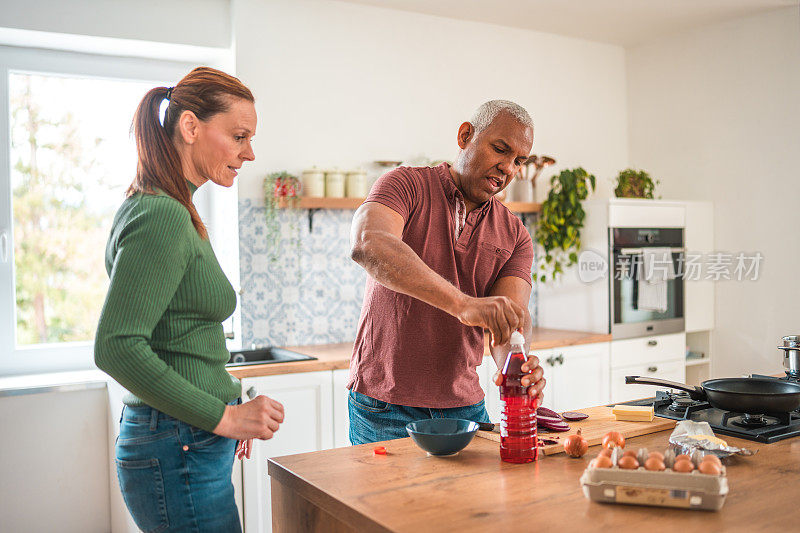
point(334, 183)
point(313, 180)
point(356, 184)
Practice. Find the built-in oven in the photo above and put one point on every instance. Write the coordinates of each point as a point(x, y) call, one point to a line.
point(639, 306)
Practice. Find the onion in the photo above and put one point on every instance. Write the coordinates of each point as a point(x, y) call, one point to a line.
point(573, 416)
point(544, 411)
point(576, 445)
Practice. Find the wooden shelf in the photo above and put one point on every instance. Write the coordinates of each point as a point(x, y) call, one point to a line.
point(311, 202)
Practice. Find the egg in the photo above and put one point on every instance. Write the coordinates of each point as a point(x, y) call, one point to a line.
point(654, 463)
point(603, 462)
point(711, 458)
point(656, 454)
point(628, 462)
point(708, 467)
point(682, 457)
point(684, 466)
point(605, 452)
point(629, 453)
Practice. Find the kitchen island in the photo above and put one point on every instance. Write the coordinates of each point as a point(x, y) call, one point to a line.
point(352, 489)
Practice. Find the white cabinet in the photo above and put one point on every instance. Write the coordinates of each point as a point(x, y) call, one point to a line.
point(699, 294)
point(307, 427)
point(341, 413)
point(660, 356)
point(620, 392)
point(577, 376)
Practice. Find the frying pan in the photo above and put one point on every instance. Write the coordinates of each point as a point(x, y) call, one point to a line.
point(740, 395)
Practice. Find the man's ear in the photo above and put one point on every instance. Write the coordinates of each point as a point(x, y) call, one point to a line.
point(466, 132)
point(188, 127)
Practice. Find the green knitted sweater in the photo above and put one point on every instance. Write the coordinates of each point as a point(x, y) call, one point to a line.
point(160, 333)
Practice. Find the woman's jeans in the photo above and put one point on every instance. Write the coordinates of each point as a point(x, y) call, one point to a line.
point(372, 420)
point(173, 476)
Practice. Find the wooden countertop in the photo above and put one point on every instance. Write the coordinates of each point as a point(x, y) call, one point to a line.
point(337, 356)
point(474, 491)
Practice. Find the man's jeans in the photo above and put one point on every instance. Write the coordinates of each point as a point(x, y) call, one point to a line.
point(372, 420)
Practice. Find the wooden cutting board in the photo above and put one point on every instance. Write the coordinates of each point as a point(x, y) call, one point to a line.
point(600, 421)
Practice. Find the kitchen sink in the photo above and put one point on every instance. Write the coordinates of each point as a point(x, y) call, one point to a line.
point(263, 356)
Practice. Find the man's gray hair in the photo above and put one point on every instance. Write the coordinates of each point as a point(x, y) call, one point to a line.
point(487, 112)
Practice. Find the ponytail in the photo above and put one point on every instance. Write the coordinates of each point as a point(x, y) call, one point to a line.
point(205, 92)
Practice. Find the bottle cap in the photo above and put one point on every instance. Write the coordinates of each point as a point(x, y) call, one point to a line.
point(517, 338)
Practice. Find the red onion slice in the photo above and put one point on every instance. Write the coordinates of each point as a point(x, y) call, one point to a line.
point(549, 419)
point(544, 411)
point(554, 426)
point(574, 416)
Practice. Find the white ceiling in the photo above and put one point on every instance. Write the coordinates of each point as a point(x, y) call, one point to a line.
point(621, 22)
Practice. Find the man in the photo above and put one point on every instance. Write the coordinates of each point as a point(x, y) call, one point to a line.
point(445, 260)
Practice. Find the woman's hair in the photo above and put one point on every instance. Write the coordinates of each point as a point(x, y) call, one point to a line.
point(205, 92)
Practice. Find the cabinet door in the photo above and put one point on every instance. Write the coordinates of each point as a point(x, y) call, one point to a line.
point(307, 427)
point(548, 363)
point(581, 376)
point(341, 413)
point(699, 292)
point(491, 392)
point(620, 392)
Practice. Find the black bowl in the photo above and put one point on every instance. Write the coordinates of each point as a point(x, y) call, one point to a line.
point(442, 436)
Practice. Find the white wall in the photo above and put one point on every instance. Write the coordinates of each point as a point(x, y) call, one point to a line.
point(715, 114)
point(192, 22)
point(343, 84)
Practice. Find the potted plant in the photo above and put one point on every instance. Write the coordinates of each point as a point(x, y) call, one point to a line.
point(635, 184)
point(281, 189)
point(561, 219)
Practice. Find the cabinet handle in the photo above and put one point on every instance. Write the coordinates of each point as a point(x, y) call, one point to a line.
point(550, 360)
point(652, 369)
point(652, 343)
point(252, 392)
point(560, 359)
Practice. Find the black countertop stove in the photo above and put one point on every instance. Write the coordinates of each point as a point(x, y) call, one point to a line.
point(759, 428)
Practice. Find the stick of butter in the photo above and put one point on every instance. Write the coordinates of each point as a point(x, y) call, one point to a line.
point(633, 413)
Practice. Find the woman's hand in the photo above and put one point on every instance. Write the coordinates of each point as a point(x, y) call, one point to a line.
point(257, 419)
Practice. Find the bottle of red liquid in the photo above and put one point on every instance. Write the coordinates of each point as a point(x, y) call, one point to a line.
point(518, 418)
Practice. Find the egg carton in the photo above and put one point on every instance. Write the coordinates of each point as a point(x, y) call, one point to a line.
point(662, 489)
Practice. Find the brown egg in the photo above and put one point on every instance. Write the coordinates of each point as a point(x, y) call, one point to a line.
point(654, 463)
point(712, 459)
point(628, 462)
point(603, 462)
point(708, 467)
point(659, 455)
point(629, 453)
point(681, 457)
point(683, 465)
point(605, 452)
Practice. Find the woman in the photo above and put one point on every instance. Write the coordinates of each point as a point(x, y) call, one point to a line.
point(160, 333)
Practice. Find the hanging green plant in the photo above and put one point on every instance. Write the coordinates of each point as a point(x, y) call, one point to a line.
point(281, 189)
point(560, 222)
point(635, 184)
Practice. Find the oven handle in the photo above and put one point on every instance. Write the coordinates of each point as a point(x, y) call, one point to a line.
point(638, 251)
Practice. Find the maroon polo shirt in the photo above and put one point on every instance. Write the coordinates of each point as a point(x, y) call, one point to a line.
point(408, 352)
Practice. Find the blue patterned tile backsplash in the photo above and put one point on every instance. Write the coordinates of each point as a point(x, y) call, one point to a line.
point(310, 291)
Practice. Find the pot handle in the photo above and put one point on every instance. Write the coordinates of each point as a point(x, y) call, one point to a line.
point(695, 393)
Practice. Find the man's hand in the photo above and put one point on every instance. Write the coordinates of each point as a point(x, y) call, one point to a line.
point(499, 314)
point(534, 380)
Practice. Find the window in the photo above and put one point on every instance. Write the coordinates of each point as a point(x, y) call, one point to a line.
point(64, 168)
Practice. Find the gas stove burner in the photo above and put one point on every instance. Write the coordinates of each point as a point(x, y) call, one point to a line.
point(750, 421)
point(680, 403)
point(792, 376)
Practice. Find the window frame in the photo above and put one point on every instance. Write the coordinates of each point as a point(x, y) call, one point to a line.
point(57, 357)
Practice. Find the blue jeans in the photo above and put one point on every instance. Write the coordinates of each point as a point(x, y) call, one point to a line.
point(174, 476)
point(372, 420)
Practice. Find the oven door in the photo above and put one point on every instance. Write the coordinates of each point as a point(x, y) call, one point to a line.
point(630, 316)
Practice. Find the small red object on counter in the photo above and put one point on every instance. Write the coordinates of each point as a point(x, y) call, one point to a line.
point(380, 450)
